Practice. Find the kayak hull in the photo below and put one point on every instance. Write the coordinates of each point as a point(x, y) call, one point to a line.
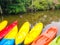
point(3, 24)
point(22, 33)
point(7, 42)
point(46, 37)
point(6, 30)
point(56, 41)
point(35, 31)
point(9, 39)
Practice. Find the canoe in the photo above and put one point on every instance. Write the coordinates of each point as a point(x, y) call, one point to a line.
point(9, 39)
point(6, 30)
point(56, 41)
point(3, 24)
point(46, 37)
point(35, 31)
point(22, 33)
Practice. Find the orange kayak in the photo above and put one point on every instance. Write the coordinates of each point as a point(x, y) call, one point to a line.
point(46, 37)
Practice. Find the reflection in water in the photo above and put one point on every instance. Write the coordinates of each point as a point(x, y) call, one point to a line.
point(57, 24)
point(21, 16)
point(45, 17)
point(2, 18)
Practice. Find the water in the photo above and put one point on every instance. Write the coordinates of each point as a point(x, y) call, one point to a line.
point(46, 17)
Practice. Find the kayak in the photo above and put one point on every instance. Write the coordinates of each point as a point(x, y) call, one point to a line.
point(6, 30)
point(22, 33)
point(3, 24)
point(9, 39)
point(56, 41)
point(35, 31)
point(46, 37)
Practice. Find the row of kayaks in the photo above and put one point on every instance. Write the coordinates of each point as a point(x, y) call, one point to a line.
point(10, 35)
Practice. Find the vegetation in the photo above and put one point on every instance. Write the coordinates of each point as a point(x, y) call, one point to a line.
point(57, 6)
point(21, 6)
point(39, 5)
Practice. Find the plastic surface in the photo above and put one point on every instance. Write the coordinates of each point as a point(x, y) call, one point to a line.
point(6, 30)
point(12, 34)
point(56, 41)
point(35, 31)
point(3, 24)
point(22, 33)
point(7, 42)
point(46, 37)
point(9, 39)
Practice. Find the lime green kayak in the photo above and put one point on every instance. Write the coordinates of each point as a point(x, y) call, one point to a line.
point(22, 33)
point(34, 33)
point(56, 41)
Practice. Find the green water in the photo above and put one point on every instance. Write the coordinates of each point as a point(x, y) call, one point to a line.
point(45, 17)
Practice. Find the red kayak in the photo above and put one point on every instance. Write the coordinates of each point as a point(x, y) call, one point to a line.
point(7, 29)
point(46, 37)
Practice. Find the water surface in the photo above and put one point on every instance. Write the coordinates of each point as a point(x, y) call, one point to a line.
point(46, 17)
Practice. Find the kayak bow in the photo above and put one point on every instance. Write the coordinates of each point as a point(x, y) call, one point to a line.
point(22, 33)
point(56, 41)
point(10, 37)
point(3, 24)
point(6, 30)
point(35, 31)
point(46, 37)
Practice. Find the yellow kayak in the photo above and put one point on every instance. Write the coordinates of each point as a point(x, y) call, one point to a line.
point(12, 33)
point(3, 24)
point(35, 31)
point(22, 33)
point(9, 39)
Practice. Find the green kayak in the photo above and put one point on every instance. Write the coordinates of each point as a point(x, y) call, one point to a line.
point(56, 41)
